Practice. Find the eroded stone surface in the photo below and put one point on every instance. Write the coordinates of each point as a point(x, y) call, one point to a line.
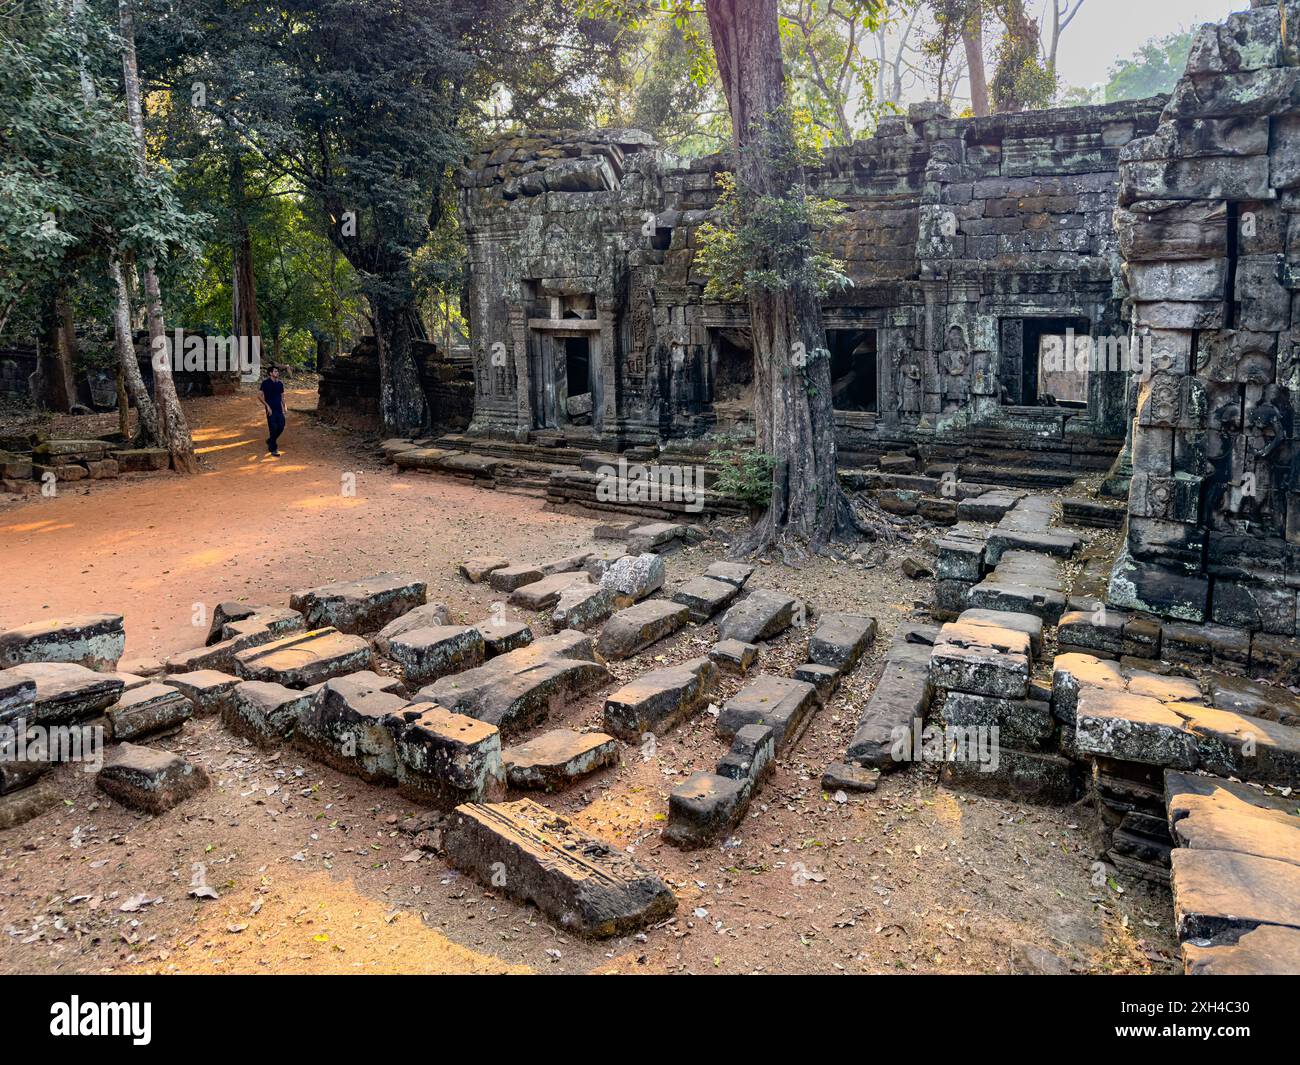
point(304, 659)
point(585, 885)
point(426, 654)
point(761, 615)
point(148, 709)
point(704, 597)
point(359, 606)
point(636, 627)
point(65, 692)
point(265, 713)
point(633, 577)
point(557, 759)
point(95, 641)
point(425, 616)
point(208, 690)
point(840, 640)
point(148, 779)
point(445, 759)
point(780, 702)
point(658, 700)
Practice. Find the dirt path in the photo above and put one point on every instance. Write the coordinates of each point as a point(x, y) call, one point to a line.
point(317, 872)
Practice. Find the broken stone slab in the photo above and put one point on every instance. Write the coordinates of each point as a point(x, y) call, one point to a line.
point(141, 459)
point(736, 574)
point(477, 570)
point(898, 704)
point(1222, 821)
point(1222, 894)
point(445, 759)
point(148, 779)
point(544, 594)
point(429, 615)
point(429, 653)
point(704, 597)
point(703, 809)
point(961, 554)
point(575, 564)
point(276, 620)
point(761, 615)
point(95, 641)
point(304, 659)
point(1029, 624)
point(1072, 672)
point(557, 759)
point(508, 578)
point(990, 506)
point(223, 614)
point(19, 807)
point(208, 691)
point(639, 626)
point(1255, 699)
point(516, 690)
point(583, 884)
point(1012, 596)
point(148, 709)
point(265, 713)
point(656, 536)
point(359, 606)
point(1058, 543)
point(840, 640)
point(1099, 632)
point(633, 577)
point(752, 752)
point(1250, 748)
point(1267, 950)
point(582, 606)
point(65, 693)
point(1218, 644)
point(1132, 728)
point(734, 656)
point(781, 702)
point(981, 660)
point(847, 776)
point(501, 636)
point(345, 727)
point(656, 701)
point(826, 679)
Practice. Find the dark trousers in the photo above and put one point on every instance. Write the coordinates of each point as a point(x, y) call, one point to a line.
point(274, 427)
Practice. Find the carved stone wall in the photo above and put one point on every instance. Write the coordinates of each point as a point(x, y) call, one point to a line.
point(1209, 228)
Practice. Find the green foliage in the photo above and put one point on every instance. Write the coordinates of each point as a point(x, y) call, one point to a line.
point(1020, 81)
point(1155, 68)
point(744, 472)
point(71, 190)
point(767, 243)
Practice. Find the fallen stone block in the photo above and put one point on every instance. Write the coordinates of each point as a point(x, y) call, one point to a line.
point(17, 696)
point(961, 555)
point(1132, 728)
point(704, 597)
point(427, 654)
point(1266, 950)
point(444, 759)
point(95, 641)
point(734, 656)
point(657, 536)
point(344, 725)
point(517, 690)
point(557, 759)
point(142, 459)
point(633, 577)
point(545, 593)
point(583, 884)
point(780, 702)
point(148, 779)
point(148, 709)
point(1093, 631)
point(21, 806)
point(427, 616)
point(1249, 748)
point(1025, 776)
point(637, 627)
point(508, 578)
point(304, 659)
point(982, 660)
point(840, 640)
point(265, 713)
point(1243, 696)
point(704, 808)
point(1029, 624)
point(761, 615)
point(278, 621)
point(501, 636)
point(899, 703)
point(753, 750)
point(476, 570)
point(1222, 894)
point(574, 564)
point(1208, 643)
point(846, 776)
point(1009, 595)
point(826, 679)
point(733, 573)
point(226, 612)
point(582, 606)
point(1025, 724)
point(359, 606)
point(65, 693)
point(660, 699)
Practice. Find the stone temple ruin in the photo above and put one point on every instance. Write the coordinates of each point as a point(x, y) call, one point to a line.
point(1162, 688)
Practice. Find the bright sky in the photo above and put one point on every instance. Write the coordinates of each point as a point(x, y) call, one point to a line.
point(1106, 30)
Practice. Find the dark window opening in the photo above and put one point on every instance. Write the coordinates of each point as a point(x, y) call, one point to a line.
point(1038, 380)
point(662, 239)
point(733, 368)
point(854, 377)
point(577, 365)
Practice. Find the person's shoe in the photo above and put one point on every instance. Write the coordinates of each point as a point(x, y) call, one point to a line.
point(275, 454)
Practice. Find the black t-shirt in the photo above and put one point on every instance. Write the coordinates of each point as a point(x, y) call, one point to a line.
point(273, 393)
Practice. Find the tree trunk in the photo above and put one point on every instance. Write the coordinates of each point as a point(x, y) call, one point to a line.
point(972, 35)
point(173, 429)
point(60, 344)
point(401, 396)
point(123, 406)
point(129, 366)
point(793, 419)
point(245, 321)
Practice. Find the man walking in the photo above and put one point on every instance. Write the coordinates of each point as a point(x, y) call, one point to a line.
point(273, 400)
